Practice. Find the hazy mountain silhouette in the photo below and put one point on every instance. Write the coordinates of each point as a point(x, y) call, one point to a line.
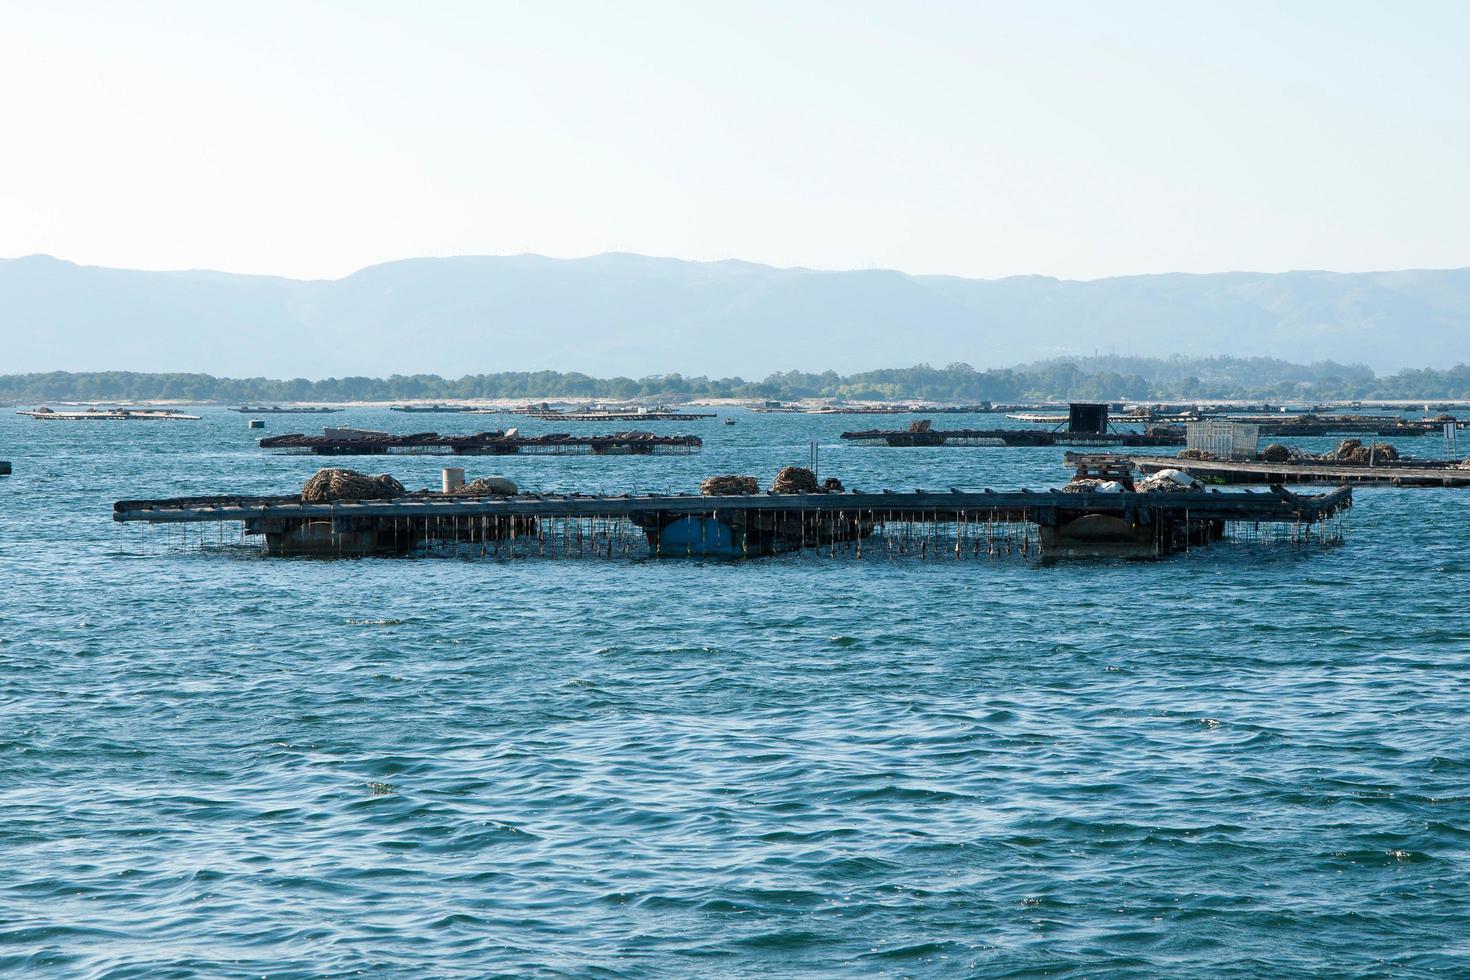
point(634, 315)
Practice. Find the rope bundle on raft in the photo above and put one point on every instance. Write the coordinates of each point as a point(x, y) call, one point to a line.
point(1276, 453)
point(729, 485)
point(792, 479)
point(340, 484)
point(795, 479)
point(1353, 451)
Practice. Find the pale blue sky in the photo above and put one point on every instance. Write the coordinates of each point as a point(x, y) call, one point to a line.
point(980, 139)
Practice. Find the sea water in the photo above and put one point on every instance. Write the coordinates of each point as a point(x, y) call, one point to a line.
point(1245, 760)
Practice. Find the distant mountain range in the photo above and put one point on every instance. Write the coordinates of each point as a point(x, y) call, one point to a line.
point(621, 314)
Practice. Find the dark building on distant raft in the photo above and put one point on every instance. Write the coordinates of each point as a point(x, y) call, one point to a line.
point(1088, 417)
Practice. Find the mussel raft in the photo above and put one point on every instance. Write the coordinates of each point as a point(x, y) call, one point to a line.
point(912, 437)
point(1401, 473)
point(361, 442)
point(927, 524)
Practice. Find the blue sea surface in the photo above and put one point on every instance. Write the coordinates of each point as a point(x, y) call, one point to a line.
point(1242, 761)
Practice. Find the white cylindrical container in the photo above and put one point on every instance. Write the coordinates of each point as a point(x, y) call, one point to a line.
point(453, 478)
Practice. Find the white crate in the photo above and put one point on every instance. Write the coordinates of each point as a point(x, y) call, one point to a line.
point(1224, 440)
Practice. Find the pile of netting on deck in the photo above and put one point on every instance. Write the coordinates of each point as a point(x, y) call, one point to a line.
point(1277, 453)
point(729, 485)
point(792, 479)
point(340, 484)
point(1353, 451)
point(799, 479)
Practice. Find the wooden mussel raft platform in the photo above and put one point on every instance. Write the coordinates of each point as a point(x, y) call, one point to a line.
point(358, 442)
point(925, 524)
point(1342, 425)
point(111, 415)
point(651, 416)
point(1400, 473)
point(1007, 437)
point(1085, 424)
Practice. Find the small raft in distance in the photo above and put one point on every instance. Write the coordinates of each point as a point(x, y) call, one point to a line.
point(649, 416)
point(1008, 437)
point(365, 442)
point(1085, 424)
point(111, 415)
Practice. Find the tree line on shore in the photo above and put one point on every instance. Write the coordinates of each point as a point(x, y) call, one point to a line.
point(1103, 378)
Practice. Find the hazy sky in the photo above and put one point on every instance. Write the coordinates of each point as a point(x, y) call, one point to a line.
point(981, 139)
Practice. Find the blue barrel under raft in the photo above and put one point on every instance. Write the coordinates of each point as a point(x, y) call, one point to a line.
point(699, 537)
